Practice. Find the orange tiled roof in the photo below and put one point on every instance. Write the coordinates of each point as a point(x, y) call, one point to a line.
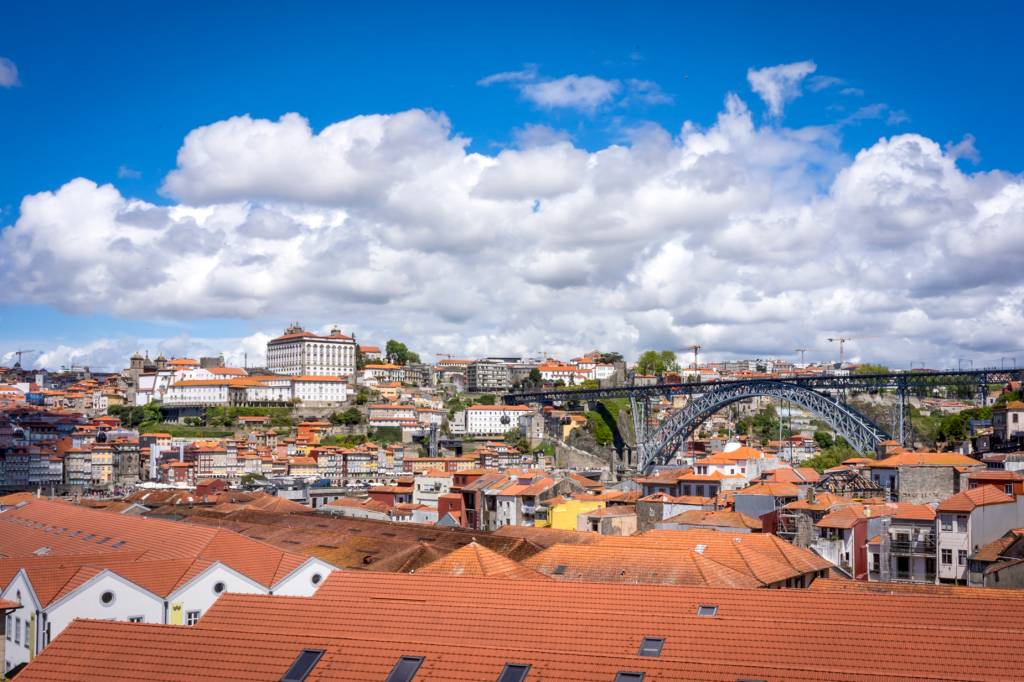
point(729, 519)
point(690, 557)
point(477, 561)
point(70, 530)
point(771, 488)
point(924, 459)
point(969, 500)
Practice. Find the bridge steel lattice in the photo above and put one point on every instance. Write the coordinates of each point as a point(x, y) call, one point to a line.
point(824, 395)
point(859, 431)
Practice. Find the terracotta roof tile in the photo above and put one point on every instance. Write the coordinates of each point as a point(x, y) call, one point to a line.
point(478, 561)
point(969, 500)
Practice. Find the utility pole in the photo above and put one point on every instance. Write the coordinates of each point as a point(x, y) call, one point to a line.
point(842, 341)
point(696, 349)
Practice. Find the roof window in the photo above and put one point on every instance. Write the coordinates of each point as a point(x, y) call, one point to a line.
point(707, 610)
point(514, 672)
point(628, 677)
point(559, 569)
point(651, 646)
point(303, 665)
point(405, 669)
point(699, 549)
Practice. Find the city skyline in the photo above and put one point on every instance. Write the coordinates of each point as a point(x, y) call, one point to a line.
point(543, 197)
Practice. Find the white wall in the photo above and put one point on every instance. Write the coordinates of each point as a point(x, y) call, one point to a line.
point(300, 583)
point(130, 600)
point(199, 594)
point(17, 653)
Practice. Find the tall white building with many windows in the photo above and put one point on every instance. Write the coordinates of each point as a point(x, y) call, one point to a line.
point(299, 352)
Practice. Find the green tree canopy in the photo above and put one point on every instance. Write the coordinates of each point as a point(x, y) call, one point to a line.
point(349, 417)
point(398, 353)
point(657, 362)
point(868, 368)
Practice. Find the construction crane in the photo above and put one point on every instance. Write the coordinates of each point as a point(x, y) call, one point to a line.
point(801, 351)
point(841, 340)
point(696, 349)
point(19, 353)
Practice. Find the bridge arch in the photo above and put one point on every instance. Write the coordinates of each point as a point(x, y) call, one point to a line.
point(859, 431)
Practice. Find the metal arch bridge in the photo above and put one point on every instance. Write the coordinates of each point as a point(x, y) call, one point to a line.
point(824, 395)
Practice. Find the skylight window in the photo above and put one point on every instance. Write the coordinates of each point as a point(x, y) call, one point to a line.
point(629, 677)
point(699, 549)
point(707, 610)
point(559, 569)
point(514, 672)
point(651, 646)
point(405, 669)
point(303, 665)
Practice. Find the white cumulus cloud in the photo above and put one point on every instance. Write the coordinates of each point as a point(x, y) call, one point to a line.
point(777, 85)
point(749, 239)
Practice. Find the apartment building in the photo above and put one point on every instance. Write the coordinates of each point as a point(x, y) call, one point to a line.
point(969, 520)
point(904, 550)
point(489, 376)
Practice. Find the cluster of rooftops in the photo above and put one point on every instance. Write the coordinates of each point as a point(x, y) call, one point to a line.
point(583, 607)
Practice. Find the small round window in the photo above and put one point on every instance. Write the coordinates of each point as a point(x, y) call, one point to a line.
point(316, 578)
point(107, 598)
point(218, 587)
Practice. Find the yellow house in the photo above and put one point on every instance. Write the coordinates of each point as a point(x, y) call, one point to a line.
point(562, 516)
point(576, 421)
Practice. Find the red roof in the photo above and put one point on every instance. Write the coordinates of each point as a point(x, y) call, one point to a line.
point(969, 500)
point(469, 628)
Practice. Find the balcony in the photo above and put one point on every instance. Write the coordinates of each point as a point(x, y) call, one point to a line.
point(908, 577)
point(926, 547)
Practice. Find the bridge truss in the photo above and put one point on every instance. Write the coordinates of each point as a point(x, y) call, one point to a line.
point(824, 395)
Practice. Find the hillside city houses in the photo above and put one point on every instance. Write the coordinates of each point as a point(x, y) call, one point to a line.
point(179, 507)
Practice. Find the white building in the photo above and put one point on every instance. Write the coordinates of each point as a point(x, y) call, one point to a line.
point(299, 352)
point(322, 390)
point(491, 420)
point(969, 520)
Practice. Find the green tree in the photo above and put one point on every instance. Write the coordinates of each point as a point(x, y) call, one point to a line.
point(535, 377)
point(1008, 397)
point(386, 434)
point(824, 439)
point(486, 399)
point(362, 397)
point(830, 457)
point(609, 358)
point(868, 368)
point(514, 438)
point(657, 362)
point(602, 432)
point(398, 353)
point(349, 417)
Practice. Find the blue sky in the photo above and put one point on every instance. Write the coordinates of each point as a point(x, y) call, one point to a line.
point(109, 93)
